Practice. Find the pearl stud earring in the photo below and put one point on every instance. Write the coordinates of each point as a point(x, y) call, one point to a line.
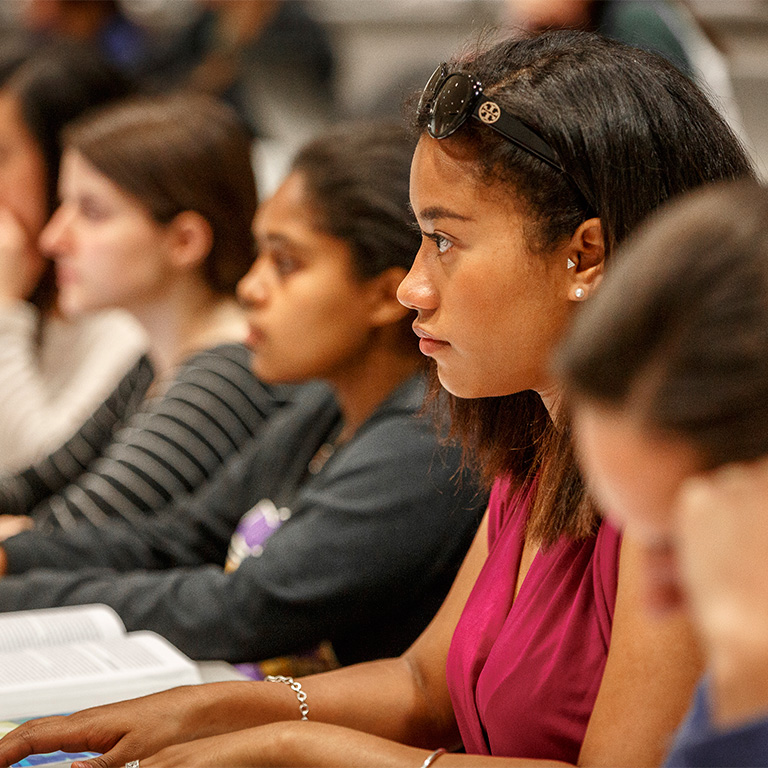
point(579, 293)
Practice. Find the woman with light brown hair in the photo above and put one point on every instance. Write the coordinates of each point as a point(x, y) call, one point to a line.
point(668, 379)
point(157, 202)
point(54, 370)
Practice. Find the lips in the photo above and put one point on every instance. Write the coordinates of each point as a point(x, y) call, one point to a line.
point(422, 334)
point(255, 338)
point(429, 344)
point(64, 274)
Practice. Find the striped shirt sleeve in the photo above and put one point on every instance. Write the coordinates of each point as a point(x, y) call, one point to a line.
point(172, 445)
point(21, 492)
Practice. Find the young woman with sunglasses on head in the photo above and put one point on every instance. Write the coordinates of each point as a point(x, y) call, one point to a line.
point(157, 203)
point(539, 651)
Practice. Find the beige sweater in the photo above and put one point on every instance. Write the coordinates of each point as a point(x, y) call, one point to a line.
point(50, 382)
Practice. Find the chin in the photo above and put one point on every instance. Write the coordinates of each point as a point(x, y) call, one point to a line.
point(273, 374)
point(483, 374)
point(458, 387)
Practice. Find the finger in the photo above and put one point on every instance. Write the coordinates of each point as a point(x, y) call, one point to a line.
point(126, 750)
point(92, 763)
point(26, 739)
point(110, 759)
point(48, 735)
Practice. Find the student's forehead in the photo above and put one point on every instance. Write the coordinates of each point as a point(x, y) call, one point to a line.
point(449, 184)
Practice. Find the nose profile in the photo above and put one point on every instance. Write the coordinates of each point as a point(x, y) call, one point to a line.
point(417, 290)
point(252, 289)
point(53, 239)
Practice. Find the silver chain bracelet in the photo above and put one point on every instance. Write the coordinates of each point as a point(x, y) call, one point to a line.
point(431, 758)
point(296, 688)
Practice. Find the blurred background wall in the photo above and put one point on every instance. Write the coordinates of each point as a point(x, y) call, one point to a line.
point(381, 43)
point(292, 67)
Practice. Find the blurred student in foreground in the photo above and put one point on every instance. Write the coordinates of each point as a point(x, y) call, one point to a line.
point(668, 370)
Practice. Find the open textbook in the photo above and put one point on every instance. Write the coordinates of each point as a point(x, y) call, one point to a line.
point(59, 660)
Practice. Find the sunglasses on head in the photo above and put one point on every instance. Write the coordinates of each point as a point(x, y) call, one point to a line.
point(452, 97)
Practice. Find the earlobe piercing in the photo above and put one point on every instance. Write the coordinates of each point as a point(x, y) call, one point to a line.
point(579, 293)
point(571, 263)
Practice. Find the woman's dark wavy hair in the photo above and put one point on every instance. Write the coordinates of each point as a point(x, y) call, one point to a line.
point(357, 179)
point(54, 84)
point(678, 334)
point(632, 130)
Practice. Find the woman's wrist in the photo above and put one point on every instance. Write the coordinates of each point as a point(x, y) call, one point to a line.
point(232, 706)
point(294, 744)
point(220, 708)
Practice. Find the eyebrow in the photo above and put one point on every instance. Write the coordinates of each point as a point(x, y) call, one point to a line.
point(276, 238)
point(438, 212)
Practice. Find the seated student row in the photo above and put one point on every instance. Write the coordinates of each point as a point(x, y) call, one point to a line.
point(374, 518)
point(541, 650)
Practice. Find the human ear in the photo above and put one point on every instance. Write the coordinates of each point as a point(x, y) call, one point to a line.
point(585, 259)
point(385, 309)
point(191, 239)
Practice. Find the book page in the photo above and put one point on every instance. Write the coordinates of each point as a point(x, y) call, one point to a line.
point(50, 680)
point(58, 626)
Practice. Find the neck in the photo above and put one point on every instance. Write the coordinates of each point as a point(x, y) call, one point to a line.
point(362, 390)
point(551, 396)
point(187, 318)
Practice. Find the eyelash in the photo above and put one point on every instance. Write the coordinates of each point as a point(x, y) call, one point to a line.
point(284, 265)
point(439, 240)
point(92, 212)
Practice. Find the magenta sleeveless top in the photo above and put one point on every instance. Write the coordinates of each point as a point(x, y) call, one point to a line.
point(523, 673)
